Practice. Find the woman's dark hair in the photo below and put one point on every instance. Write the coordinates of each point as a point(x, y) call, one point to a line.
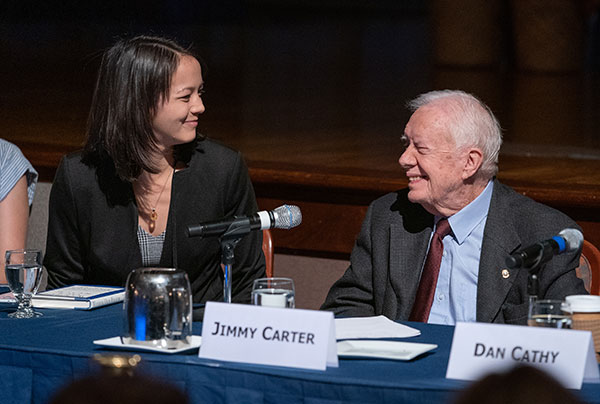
point(135, 75)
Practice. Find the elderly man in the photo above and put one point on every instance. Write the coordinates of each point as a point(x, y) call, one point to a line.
point(435, 252)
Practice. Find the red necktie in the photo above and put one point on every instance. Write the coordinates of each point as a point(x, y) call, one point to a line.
point(429, 277)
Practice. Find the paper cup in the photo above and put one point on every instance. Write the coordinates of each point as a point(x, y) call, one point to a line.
point(586, 316)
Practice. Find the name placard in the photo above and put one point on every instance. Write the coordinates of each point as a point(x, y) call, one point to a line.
point(479, 348)
point(269, 336)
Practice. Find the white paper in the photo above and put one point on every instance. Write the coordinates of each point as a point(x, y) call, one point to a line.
point(382, 349)
point(269, 336)
point(478, 349)
point(372, 327)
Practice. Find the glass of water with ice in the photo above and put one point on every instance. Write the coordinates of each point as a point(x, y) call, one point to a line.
point(273, 292)
point(23, 273)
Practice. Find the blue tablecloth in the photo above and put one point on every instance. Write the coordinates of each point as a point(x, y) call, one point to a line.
point(38, 356)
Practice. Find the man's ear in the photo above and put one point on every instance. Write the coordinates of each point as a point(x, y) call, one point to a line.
point(473, 161)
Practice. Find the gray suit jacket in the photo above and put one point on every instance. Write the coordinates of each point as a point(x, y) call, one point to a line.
point(388, 256)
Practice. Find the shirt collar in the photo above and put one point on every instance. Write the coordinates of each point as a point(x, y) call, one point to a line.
point(465, 220)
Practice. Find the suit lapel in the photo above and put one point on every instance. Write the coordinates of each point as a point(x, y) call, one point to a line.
point(499, 240)
point(407, 253)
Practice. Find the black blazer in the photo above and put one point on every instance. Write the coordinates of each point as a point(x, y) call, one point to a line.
point(386, 262)
point(93, 220)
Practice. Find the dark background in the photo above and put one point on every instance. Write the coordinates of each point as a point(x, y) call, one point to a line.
point(292, 68)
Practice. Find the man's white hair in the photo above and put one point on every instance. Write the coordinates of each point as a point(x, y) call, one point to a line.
point(470, 124)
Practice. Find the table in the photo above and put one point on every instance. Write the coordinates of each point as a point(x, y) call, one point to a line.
point(37, 356)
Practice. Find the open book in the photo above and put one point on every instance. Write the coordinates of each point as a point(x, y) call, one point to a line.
point(81, 297)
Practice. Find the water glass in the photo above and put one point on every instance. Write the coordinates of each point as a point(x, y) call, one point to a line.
point(549, 313)
point(273, 292)
point(23, 273)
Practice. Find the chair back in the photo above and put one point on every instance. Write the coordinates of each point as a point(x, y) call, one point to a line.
point(589, 267)
point(37, 226)
point(267, 247)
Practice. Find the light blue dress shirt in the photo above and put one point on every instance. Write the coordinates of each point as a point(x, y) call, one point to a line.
point(13, 165)
point(456, 291)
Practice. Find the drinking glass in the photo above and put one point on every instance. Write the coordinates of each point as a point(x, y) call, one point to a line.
point(23, 273)
point(549, 313)
point(273, 292)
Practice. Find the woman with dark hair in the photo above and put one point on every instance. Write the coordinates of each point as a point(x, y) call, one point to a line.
point(144, 175)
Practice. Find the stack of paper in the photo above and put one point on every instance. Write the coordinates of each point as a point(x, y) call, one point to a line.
point(363, 334)
point(372, 327)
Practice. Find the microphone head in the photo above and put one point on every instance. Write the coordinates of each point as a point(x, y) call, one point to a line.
point(513, 261)
point(573, 239)
point(287, 216)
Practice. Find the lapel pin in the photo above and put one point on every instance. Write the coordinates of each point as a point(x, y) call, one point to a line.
point(505, 273)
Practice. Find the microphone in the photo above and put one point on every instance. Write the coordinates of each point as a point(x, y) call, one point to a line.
point(568, 240)
point(283, 217)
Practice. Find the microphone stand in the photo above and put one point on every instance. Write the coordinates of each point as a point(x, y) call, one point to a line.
point(532, 289)
point(229, 240)
point(533, 283)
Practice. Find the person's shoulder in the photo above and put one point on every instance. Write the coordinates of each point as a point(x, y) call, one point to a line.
point(74, 166)
point(527, 211)
point(74, 156)
point(9, 151)
point(389, 199)
point(214, 148)
point(514, 199)
point(395, 206)
point(73, 161)
point(395, 201)
point(213, 155)
point(7, 147)
point(13, 164)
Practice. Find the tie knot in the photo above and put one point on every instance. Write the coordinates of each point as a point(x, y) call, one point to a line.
point(443, 228)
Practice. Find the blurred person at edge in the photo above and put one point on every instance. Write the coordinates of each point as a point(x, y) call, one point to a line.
point(17, 187)
point(146, 173)
point(519, 385)
point(106, 388)
point(451, 145)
